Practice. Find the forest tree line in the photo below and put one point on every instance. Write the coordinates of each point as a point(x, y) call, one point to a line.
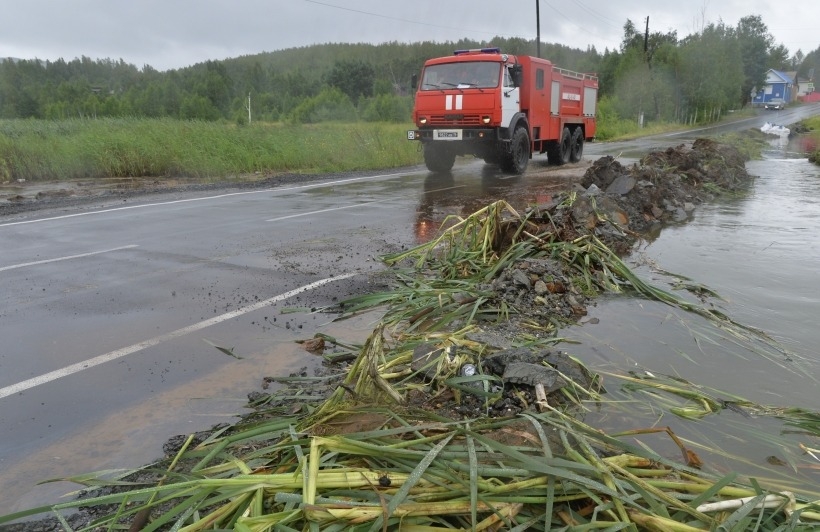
point(660, 75)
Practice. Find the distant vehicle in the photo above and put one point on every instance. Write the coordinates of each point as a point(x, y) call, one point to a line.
point(775, 103)
point(502, 108)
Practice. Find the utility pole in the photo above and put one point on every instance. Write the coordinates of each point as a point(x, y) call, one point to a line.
point(646, 39)
point(248, 107)
point(646, 58)
point(538, 27)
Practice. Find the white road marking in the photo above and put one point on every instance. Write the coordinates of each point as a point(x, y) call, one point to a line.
point(119, 353)
point(69, 257)
point(277, 189)
point(324, 210)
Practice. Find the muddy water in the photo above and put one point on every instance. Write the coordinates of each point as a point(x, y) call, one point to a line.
point(761, 253)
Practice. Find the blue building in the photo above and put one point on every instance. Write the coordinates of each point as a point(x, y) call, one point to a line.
point(779, 85)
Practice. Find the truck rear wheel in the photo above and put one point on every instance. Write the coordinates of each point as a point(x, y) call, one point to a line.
point(438, 158)
point(566, 146)
point(577, 145)
point(518, 158)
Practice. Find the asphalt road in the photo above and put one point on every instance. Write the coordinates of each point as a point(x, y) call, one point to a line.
point(106, 311)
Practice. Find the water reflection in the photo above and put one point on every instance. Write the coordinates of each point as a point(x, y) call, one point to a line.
point(445, 197)
point(461, 194)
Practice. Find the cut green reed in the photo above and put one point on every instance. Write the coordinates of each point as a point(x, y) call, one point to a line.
point(419, 473)
point(35, 150)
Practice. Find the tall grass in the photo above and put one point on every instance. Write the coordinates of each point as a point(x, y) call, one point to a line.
point(135, 147)
point(612, 126)
point(813, 146)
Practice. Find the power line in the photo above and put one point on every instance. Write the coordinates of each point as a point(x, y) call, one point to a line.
point(582, 28)
point(595, 13)
point(369, 13)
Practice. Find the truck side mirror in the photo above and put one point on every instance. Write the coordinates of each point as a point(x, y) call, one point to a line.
point(414, 82)
point(517, 75)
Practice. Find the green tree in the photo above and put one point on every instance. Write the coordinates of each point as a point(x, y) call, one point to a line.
point(809, 68)
point(197, 107)
point(711, 71)
point(645, 73)
point(796, 60)
point(754, 42)
point(388, 108)
point(354, 78)
point(779, 58)
point(330, 104)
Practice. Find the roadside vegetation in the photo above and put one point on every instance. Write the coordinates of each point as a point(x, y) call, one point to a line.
point(813, 125)
point(58, 150)
point(35, 150)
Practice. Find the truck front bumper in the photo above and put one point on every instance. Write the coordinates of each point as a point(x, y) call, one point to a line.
point(445, 134)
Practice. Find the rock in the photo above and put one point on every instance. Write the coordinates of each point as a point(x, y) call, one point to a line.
point(556, 287)
point(314, 345)
point(532, 374)
point(523, 359)
point(520, 278)
point(602, 173)
point(425, 360)
point(593, 190)
point(621, 185)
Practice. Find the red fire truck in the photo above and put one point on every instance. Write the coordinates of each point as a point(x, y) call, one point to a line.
point(502, 108)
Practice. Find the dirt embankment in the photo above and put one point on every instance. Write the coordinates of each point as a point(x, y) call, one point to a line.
point(619, 205)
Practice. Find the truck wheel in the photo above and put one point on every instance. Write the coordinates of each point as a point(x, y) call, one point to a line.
point(491, 158)
point(438, 158)
point(519, 157)
point(577, 145)
point(566, 146)
point(554, 152)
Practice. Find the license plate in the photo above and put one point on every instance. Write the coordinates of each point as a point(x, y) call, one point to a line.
point(446, 134)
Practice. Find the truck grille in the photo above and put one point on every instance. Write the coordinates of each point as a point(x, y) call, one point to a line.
point(454, 120)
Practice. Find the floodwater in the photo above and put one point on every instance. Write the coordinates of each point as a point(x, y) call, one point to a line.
point(760, 253)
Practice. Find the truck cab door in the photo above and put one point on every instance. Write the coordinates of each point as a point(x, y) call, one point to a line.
point(510, 98)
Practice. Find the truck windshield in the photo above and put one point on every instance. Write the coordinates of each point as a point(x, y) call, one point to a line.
point(469, 74)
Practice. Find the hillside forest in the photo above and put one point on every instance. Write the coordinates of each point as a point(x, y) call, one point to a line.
point(661, 75)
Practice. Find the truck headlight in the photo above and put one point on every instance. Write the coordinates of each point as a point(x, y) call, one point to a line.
point(422, 120)
point(485, 119)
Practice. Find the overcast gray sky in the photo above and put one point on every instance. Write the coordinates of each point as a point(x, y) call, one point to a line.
point(177, 33)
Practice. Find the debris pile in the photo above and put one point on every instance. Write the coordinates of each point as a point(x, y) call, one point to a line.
point(664, 187)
